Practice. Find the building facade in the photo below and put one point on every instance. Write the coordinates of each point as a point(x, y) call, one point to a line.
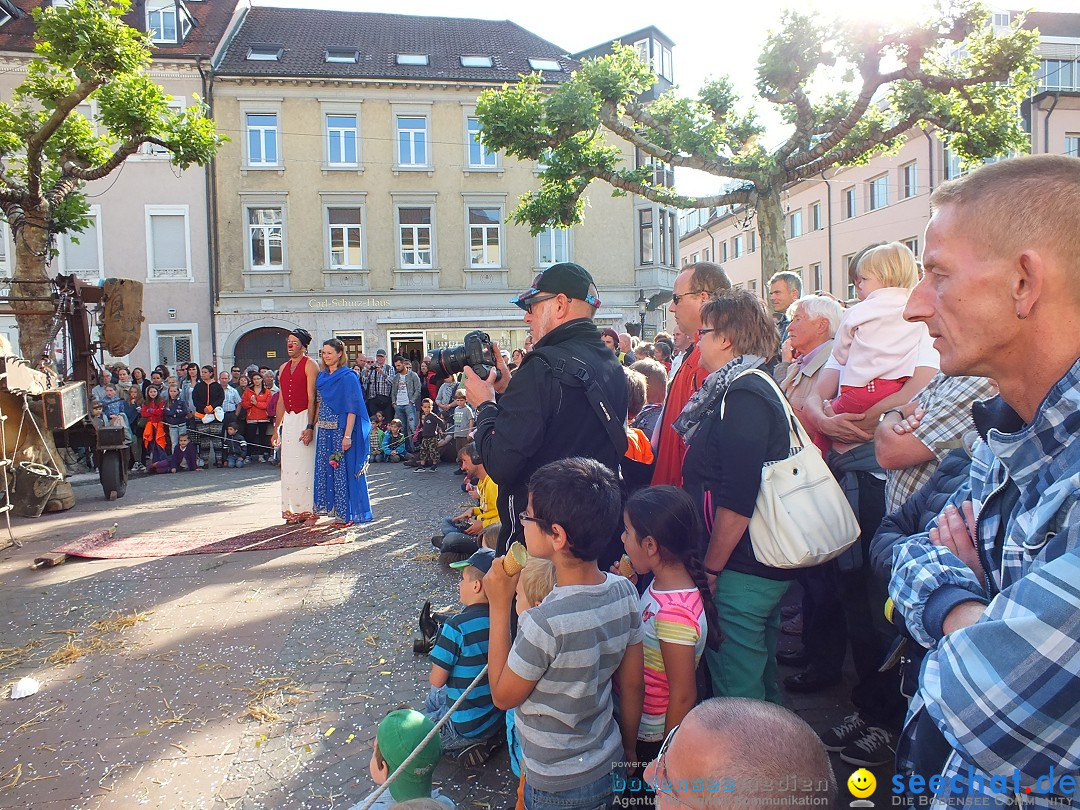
point(830, 219)
point(354, 199)
point(148, 219)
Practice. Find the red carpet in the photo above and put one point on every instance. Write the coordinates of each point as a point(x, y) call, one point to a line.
point(165, 544)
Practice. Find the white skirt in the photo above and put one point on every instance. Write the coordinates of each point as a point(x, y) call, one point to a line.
point(297, 466)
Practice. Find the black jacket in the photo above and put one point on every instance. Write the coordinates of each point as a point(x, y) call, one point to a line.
point(539, 420)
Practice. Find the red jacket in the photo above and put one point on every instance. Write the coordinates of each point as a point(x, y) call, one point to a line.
point(257, 405)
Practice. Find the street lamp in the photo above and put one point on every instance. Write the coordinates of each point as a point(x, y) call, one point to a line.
point(642, 307)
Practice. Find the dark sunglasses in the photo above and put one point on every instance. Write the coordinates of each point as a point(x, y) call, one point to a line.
point(677, 297)
point(538, 300)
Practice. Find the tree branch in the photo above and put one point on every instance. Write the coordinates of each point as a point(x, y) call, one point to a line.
point(11, 195)
point(862, 103)
point(610, 119)
point(804, 123)
point(36, 142)
point(745, 195)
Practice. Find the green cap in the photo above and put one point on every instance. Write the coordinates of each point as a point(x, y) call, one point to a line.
point(399, 734)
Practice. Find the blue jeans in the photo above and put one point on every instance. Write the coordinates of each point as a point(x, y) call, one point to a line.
point(435, 707)
point(597, 795)
point(453, 538)
point(407, 415)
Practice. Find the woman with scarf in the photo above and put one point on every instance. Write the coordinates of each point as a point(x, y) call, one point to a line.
point(722, 472)
point(341, 442)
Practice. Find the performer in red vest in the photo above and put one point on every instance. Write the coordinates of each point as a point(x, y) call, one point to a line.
point(294, 430)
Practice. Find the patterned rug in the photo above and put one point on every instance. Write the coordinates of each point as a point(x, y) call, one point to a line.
point(100, 546)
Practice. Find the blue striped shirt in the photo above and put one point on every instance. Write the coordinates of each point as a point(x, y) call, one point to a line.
point(462, 650)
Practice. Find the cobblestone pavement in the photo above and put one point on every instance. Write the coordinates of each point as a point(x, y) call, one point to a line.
point(251, 680)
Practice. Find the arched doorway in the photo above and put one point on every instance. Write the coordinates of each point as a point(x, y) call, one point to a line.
point(264, 346)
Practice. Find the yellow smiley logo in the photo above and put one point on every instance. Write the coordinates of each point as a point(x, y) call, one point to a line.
point(862, 783)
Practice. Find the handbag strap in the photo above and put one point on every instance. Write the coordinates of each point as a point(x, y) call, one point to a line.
point(796, 433)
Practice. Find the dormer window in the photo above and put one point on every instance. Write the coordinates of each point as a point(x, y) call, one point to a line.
point(412, 59)
point(346, 55)
point(265, 53)
point(4, 16)
point(544, 64)
point(167, 21)
point(476, 61)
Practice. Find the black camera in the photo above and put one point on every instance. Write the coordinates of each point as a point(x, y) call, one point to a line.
point(476, 353)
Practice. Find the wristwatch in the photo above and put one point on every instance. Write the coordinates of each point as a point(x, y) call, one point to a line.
point(881, 418)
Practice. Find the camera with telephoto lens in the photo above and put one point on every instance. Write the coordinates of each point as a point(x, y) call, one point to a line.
point(475, 352)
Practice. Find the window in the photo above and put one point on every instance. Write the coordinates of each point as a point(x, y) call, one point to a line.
point(266, 239)
point(879, 192)
point(664, 68)
point(5, 262)
point(485, 240)
point(1001, 19)
point(175, 346)
point(80, 253)
point(1058, 74)
point(643, 52)
point(262, 139)
point(346, 237)
point(479, 156)
point(553, 246)
point(705, 255)
point(161, 20)
point(414, 237)
point(176, 106)
point(265, 53)
point(412, 58)
point(693, 258)
point(4, 17)
point(909, 180)
point(815, 277)
point(953, 169)
point(849, 202)
point(476, 61)
point(845, 263)
point(815, 217)
point(646, 253)
point(753, 242)
point(912, 244)
point(737, 246)
point(723, 251)
point(412, 141)
point(168, 251)
point(345, 55)
point(544, 64)
point(342, 135)
point(1072, 144)
point(794, 224)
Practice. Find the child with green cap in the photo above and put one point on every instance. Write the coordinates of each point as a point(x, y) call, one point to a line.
point(399, 734)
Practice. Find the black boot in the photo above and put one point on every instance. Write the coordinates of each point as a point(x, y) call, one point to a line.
point(429, 630)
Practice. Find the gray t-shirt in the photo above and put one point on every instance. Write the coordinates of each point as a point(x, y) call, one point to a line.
point(571, 645)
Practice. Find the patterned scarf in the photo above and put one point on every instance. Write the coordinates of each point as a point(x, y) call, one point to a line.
point(706, 400)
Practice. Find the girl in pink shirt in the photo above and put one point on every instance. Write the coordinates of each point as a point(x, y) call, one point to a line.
point(662, 536)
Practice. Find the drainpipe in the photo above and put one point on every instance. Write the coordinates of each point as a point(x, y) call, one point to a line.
point(828, 224)
point(929, 160)
point(210, 176)
point(1046, 123)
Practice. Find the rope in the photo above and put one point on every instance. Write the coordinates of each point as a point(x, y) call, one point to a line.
point(408, 760)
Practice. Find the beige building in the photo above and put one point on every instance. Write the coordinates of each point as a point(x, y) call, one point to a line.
point(830, 219)
point(355, 201)
point(148, 219)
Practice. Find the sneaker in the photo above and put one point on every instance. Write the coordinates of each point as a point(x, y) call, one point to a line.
point(436, 540)
point(419, 468)
point(790, 611)
point(872, 750)
point(839, 737)
point(792, 627)
point(476, 754)
point(138, 467)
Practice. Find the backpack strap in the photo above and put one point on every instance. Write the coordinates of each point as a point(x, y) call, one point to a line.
point(573, 372)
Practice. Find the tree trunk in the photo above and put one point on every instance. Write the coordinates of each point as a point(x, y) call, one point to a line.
point(770, 226)
point(34, 317)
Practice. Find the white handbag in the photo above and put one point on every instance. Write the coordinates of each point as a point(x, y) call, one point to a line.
point(801, 517)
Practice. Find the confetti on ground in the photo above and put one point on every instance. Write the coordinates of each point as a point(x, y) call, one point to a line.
point(330, 731)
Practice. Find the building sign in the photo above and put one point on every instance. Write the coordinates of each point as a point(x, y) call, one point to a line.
point(346, 303)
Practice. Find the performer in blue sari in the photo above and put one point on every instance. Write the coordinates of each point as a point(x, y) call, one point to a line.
point(341, 442)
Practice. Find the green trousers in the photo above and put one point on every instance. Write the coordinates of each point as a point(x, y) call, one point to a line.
point(745, 664)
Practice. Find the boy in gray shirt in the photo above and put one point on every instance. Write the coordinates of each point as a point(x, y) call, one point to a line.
point(558, 672)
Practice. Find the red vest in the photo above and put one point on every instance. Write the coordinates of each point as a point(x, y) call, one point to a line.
point(293, 386)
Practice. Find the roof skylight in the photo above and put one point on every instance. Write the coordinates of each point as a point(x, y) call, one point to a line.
point(412, 59)
point(476, 61)
point(544, 64)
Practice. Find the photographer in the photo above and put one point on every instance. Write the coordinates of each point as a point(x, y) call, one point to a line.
point(568, 397)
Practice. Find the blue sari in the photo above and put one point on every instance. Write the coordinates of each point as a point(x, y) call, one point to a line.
point(341, 491)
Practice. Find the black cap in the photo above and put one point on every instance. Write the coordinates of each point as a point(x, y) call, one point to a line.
point(572, 280)
point(303, 335)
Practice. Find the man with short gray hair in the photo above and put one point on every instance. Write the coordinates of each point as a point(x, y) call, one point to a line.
point(738, 752)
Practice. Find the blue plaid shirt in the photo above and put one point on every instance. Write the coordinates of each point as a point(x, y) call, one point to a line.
point(1004, 692)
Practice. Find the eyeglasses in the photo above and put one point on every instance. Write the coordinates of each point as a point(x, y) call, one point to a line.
point(677, 297)
point(661, 784)
point(702, 332)
point(538, 300)
point(527, 518)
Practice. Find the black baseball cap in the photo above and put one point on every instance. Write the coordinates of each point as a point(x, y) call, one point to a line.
point(572, 280)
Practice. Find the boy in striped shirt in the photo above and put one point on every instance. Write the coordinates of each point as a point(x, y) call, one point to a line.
point(475, 730)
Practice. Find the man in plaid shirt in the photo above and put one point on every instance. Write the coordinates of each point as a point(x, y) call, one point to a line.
point(993, 588)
